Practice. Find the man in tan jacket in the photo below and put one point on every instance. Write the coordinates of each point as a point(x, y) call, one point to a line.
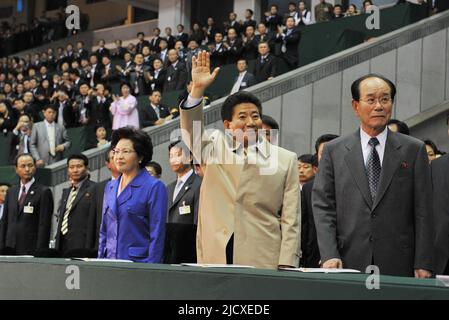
point(249, 201)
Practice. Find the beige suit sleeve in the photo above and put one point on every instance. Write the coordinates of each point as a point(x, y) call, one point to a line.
point(194, 135)
point(290, 218)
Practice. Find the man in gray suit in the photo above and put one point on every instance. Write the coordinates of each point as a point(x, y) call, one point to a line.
point(372, 194)
point(48, 139)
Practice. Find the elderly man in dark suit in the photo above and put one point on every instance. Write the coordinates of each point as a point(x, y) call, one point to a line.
point(25, 225)
point(183, 200)
point(372, 198)
point(155, 113)
point(440, 182)
point(176, 73)
point(266, 66)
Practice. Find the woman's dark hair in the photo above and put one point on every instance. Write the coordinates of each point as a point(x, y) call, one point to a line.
point(141, 142)
point(269, 121)
point(124, 83)
point(432, 144)
point(227, 108)
point(402, 127)
point(156, 166)
point(355, 87)
point(323, 139)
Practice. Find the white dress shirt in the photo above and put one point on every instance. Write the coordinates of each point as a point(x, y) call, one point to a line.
point(27, 187)
point(238, 83)
point(366, 148)
point(181, 182)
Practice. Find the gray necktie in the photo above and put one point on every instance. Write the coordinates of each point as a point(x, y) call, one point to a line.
point(373, 168)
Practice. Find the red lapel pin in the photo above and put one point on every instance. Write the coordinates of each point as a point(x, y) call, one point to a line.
point(404, 165)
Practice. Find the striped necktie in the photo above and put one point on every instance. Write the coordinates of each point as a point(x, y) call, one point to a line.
point(65, 221)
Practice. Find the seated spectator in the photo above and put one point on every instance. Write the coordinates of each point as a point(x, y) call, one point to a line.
point(249, 21)
point(142, 42)
point(3, 190)
point(193, 50)
point(107, 71)
point(398, 126)
point(170, 38)
point(218, 53)
point(48, 139)
point(81, 53)
point(20, 140)
point(100, 133)
point(154, 169)
point(137, 76)
point(338, 12)
point(249, 44)
point(155, 113)
point(147, 56)
point(102, 50)
point(210, 30)
point(124, 109)
point(119, 51)
point(289, 39)
point(6, 120)
point(182, 52)
point(99, 109)
point(124, 69)
point(244, 79)
point(163, 52)
point(197, 34)
point(367, 6)
point(307, 167)
point(266, 66)
point(232, 23)
point(292, 12)
point(323, 11)
point(304, 16)
point(182, 36)
point(155, 41)
point(233, 46)
point(272, 19)
point(157, 76)
point(176, 73)
point(265, 36)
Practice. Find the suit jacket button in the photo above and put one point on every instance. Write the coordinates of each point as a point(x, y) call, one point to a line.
point(373, 216)
point(225, 231)
point(370, 238)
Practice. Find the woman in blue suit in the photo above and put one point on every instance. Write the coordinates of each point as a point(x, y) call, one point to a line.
point(135, 205)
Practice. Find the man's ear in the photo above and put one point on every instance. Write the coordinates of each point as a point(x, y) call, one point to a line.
point(355, 107)
point(226, 124)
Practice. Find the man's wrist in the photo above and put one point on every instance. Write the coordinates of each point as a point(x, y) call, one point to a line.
point(197, 92)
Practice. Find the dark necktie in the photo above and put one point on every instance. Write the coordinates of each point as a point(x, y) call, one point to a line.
point(373, 168)
point(22, 196)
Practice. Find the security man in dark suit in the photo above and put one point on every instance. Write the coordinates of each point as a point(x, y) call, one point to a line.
point(26, 222)
point(440, 183)
point(78, 226)
point(183, 197)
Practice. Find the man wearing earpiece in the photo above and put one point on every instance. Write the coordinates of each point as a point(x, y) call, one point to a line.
point(77, 226)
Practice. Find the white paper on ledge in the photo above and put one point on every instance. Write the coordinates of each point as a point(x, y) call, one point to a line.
point(16, 257)
point(321, 270)
point(211, 265)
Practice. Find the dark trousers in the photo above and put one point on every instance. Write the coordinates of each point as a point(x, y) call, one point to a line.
point(230, 251)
